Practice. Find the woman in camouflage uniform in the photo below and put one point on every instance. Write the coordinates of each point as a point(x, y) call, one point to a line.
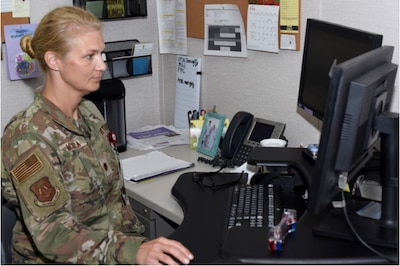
point(59, 168)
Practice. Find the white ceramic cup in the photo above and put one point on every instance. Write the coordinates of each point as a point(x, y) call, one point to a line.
point(273, 143)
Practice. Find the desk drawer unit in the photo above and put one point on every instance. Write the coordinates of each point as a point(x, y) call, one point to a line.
point(155, 224)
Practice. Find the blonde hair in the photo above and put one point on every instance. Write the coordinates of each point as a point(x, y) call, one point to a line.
point(56, 30)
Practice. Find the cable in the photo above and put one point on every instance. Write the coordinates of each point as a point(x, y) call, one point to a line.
point(359, 238)
point(216, 161)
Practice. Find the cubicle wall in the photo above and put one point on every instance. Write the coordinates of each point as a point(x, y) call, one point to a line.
point(265, 84)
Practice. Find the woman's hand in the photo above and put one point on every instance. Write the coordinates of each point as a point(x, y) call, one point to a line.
point(163, 251)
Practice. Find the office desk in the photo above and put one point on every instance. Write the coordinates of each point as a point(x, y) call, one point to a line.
point(205, 213)
point(200, 231)
point(154, 195)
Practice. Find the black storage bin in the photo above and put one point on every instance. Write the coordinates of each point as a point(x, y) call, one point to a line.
point(110, 99)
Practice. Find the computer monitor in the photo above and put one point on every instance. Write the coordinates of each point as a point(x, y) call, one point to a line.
point(357, 116)
point(327, 44)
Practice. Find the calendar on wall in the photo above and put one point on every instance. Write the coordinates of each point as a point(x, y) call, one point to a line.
point(263, 28)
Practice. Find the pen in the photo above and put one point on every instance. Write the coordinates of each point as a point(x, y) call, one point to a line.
point(189, 117)
point(194, 114)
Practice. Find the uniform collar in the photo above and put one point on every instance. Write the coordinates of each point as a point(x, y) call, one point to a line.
point(59, 117)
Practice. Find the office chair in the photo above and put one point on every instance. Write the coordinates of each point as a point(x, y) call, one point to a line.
point(8, 220)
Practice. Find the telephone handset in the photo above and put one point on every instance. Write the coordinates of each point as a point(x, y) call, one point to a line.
point(244, 133)
point(235, 134)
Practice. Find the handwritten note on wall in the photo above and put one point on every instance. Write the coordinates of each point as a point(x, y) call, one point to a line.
point(187, 98)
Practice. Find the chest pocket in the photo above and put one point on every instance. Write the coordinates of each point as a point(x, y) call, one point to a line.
point(88, 176)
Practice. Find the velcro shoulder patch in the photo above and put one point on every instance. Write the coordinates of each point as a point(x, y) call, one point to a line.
point(27, 168)
point(38, 185)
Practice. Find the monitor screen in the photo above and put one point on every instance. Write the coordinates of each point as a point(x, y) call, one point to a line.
point(360, 91)
point(326, 45)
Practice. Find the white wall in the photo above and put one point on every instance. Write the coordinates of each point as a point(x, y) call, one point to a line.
point(264, 84)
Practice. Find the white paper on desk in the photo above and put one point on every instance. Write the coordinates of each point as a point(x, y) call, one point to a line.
point(151, 164)
point(157, 137)
point(187, 97)
point(224, 33)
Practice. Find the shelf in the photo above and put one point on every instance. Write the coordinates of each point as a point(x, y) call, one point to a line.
point(114, 9)
point(128, 58)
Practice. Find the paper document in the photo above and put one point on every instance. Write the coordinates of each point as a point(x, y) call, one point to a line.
point(172, 26)
point(152, 164)
point(157, 137)
point(142, 49)
point(224, 32)
point(263, 28)
point(6, 6)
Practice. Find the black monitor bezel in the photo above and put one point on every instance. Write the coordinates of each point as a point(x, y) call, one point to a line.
point(372, 40)
point(325, 177)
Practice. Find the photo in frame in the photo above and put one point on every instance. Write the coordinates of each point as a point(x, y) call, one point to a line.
point(211, 134)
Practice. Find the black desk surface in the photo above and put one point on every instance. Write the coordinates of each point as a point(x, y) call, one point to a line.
point(204, 215)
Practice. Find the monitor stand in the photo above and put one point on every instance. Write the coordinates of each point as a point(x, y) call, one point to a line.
point(382, 232)
point(371, 231)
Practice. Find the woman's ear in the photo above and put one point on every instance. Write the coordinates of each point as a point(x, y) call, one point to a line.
point(51, 60)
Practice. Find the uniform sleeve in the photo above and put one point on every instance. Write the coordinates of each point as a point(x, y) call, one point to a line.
point(31, 174)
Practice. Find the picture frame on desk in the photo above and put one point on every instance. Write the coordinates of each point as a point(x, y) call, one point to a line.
point(210, 135)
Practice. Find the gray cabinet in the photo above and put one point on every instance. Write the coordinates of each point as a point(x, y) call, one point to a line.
point(156, 225)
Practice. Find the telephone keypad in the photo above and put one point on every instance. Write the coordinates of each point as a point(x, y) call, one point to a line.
point(242, 154)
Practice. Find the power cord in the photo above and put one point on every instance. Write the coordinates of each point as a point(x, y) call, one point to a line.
point(359, 238)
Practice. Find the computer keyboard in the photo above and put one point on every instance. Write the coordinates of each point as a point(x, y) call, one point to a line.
point(255, 205)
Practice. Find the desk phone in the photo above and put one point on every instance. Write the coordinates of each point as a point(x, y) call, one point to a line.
point(244, 133)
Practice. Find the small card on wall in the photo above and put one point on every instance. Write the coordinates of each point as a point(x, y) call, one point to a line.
point(19, 64)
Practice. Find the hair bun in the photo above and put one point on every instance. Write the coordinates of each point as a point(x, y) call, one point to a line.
point(26, 45)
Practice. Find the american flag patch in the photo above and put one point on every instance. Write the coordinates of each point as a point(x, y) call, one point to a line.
point(27, 168)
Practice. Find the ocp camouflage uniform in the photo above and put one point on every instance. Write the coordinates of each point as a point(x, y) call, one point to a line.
point(64, 178)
